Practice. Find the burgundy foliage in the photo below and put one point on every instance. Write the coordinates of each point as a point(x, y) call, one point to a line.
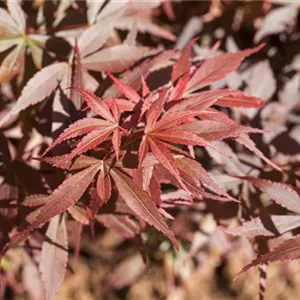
point(114, 133)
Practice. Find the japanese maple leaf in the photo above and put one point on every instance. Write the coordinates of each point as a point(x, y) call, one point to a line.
point(95, 130)
point(15, 36)
point(93, 56)
point(160, 134)
point(132, 14)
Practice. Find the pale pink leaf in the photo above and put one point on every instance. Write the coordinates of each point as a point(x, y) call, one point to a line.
point(255, 227)
point(79, 214)
point(116, 58)
point(281, 193)
point(41, 85)
point(248, 143)
point(54, 257)
point(145, 25)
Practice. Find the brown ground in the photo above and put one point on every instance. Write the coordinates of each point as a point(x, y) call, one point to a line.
point(89, 280)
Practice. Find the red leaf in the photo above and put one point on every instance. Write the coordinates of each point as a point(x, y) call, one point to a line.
point(116, 141)
point(96, 104)
point(145, 88)
point(248, 143)
point(66, 195)
point(239, 99)
point(165, 157)
point(65, 162)
point(281, 193)
point(179, 89)
point(156, 109)
point(129, 92)
point(123, 105)
point(183, 65)
point(217, 68)
point(200, 101)
point(143, 150)
point(140, 203)
point(91, 140)
point(78, 128)
point(288, 250)
point(54, 257)
point(104, 185)
point(195, 170)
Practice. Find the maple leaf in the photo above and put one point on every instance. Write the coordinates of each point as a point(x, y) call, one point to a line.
point(158, 133)
point(216, 68)
point(96, 130)
point(44, 82)
point(140, 203)
point(54, 257)
point(255, 227)
point(281, 193)
point(102, 193)
point(130, 15)
point(288, 250)
point(16, 37)
point(66, 195)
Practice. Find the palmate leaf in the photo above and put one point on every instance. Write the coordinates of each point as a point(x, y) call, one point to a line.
point(159, 133)
point(183, 65)
point(117, 58)
point(141, 203)
point(66, 195)
point(248, 143)
point(224, 97)
point(198, 174)
point(281, 193)
point(125, 89)
point(97, 130)
point(217, 68)
point(288, 250)
point(67, 163)
point(13, 34)
point(54, 257)
point(256, 227)
point(44, 82)
point(79, 128)
point(41, 85)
